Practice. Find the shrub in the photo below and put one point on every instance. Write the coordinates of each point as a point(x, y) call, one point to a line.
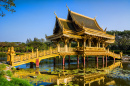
point(20, 82)
point(13, 68)
point(14, 82)
point(9, 73)
point(2, 66)
point(2, 73)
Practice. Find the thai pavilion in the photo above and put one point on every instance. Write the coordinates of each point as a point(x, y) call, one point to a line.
point(91, 39)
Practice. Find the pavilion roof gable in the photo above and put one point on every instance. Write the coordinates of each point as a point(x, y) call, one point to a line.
point(84, 21)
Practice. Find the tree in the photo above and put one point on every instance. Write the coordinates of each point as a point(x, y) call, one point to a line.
point(7, 5)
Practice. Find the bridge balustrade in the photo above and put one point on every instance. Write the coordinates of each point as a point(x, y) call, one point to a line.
point(28, 56)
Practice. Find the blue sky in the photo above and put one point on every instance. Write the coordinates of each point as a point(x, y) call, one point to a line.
point(35, 18)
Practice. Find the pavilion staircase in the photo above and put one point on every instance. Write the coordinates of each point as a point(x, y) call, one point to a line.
point(117, 56)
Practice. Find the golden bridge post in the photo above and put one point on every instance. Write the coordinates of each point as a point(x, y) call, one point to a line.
point(8, 54)
point(37, 60)
point(12, 54)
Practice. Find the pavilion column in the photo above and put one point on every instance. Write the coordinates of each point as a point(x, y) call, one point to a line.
point(103, 60)
point(87, 58)
point(99, 44)
point(54, 61)
point(97, 59)
point(84, 59)
point(89, 41)
point(77, 43)
point(69, 46)
point(106, 61)
point(103, 44)
point(63, 60)
point(58, 47)
point(84, 43)
point(77, 59)
point(37, 62)
point(69, 58)
point(66, 47)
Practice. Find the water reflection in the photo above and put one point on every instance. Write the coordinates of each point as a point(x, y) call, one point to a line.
point(73, 73)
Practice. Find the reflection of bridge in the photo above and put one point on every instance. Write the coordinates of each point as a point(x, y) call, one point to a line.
point(37, 56)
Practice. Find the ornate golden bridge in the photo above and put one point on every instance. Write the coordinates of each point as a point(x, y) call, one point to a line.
point(37, 56)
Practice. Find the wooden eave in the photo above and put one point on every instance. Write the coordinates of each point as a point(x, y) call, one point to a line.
point(98, 33)
point(110, 41)
point(56, 36)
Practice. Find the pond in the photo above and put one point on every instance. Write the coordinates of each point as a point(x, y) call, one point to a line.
point(73, 74)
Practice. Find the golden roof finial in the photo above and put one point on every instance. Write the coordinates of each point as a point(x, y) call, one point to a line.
point(55, 14)
point(67, 7)
point(114, 34)
point(105, 29)
point(95, 17)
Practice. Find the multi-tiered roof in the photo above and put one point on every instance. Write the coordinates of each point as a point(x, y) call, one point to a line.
point(77, 26)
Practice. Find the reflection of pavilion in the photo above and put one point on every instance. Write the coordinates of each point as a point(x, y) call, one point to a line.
point(90, 78)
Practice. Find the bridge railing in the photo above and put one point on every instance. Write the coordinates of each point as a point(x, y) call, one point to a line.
point(12, 57)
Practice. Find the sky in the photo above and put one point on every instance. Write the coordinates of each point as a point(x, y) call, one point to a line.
point(35, 18)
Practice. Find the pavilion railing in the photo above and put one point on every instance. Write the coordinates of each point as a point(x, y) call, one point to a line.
point(90, 48)
point(69, 49)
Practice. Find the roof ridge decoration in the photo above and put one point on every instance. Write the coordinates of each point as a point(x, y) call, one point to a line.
point(58, 20)
point(98, 25)
point(67, 7)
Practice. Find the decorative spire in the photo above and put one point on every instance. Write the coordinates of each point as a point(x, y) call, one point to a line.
point(67, 7)
point(105, 29)
point(55, 14)
point(95, 17)
point(45, 35)
point(114, 34)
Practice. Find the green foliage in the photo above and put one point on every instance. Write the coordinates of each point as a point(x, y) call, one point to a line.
point(13, 68)
point(7, 4)
point(122, 41)
point(20, 82)
point(20, 53)
point(14, 82)
point(2, 72)
point(9, 73)
point(2, 66)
